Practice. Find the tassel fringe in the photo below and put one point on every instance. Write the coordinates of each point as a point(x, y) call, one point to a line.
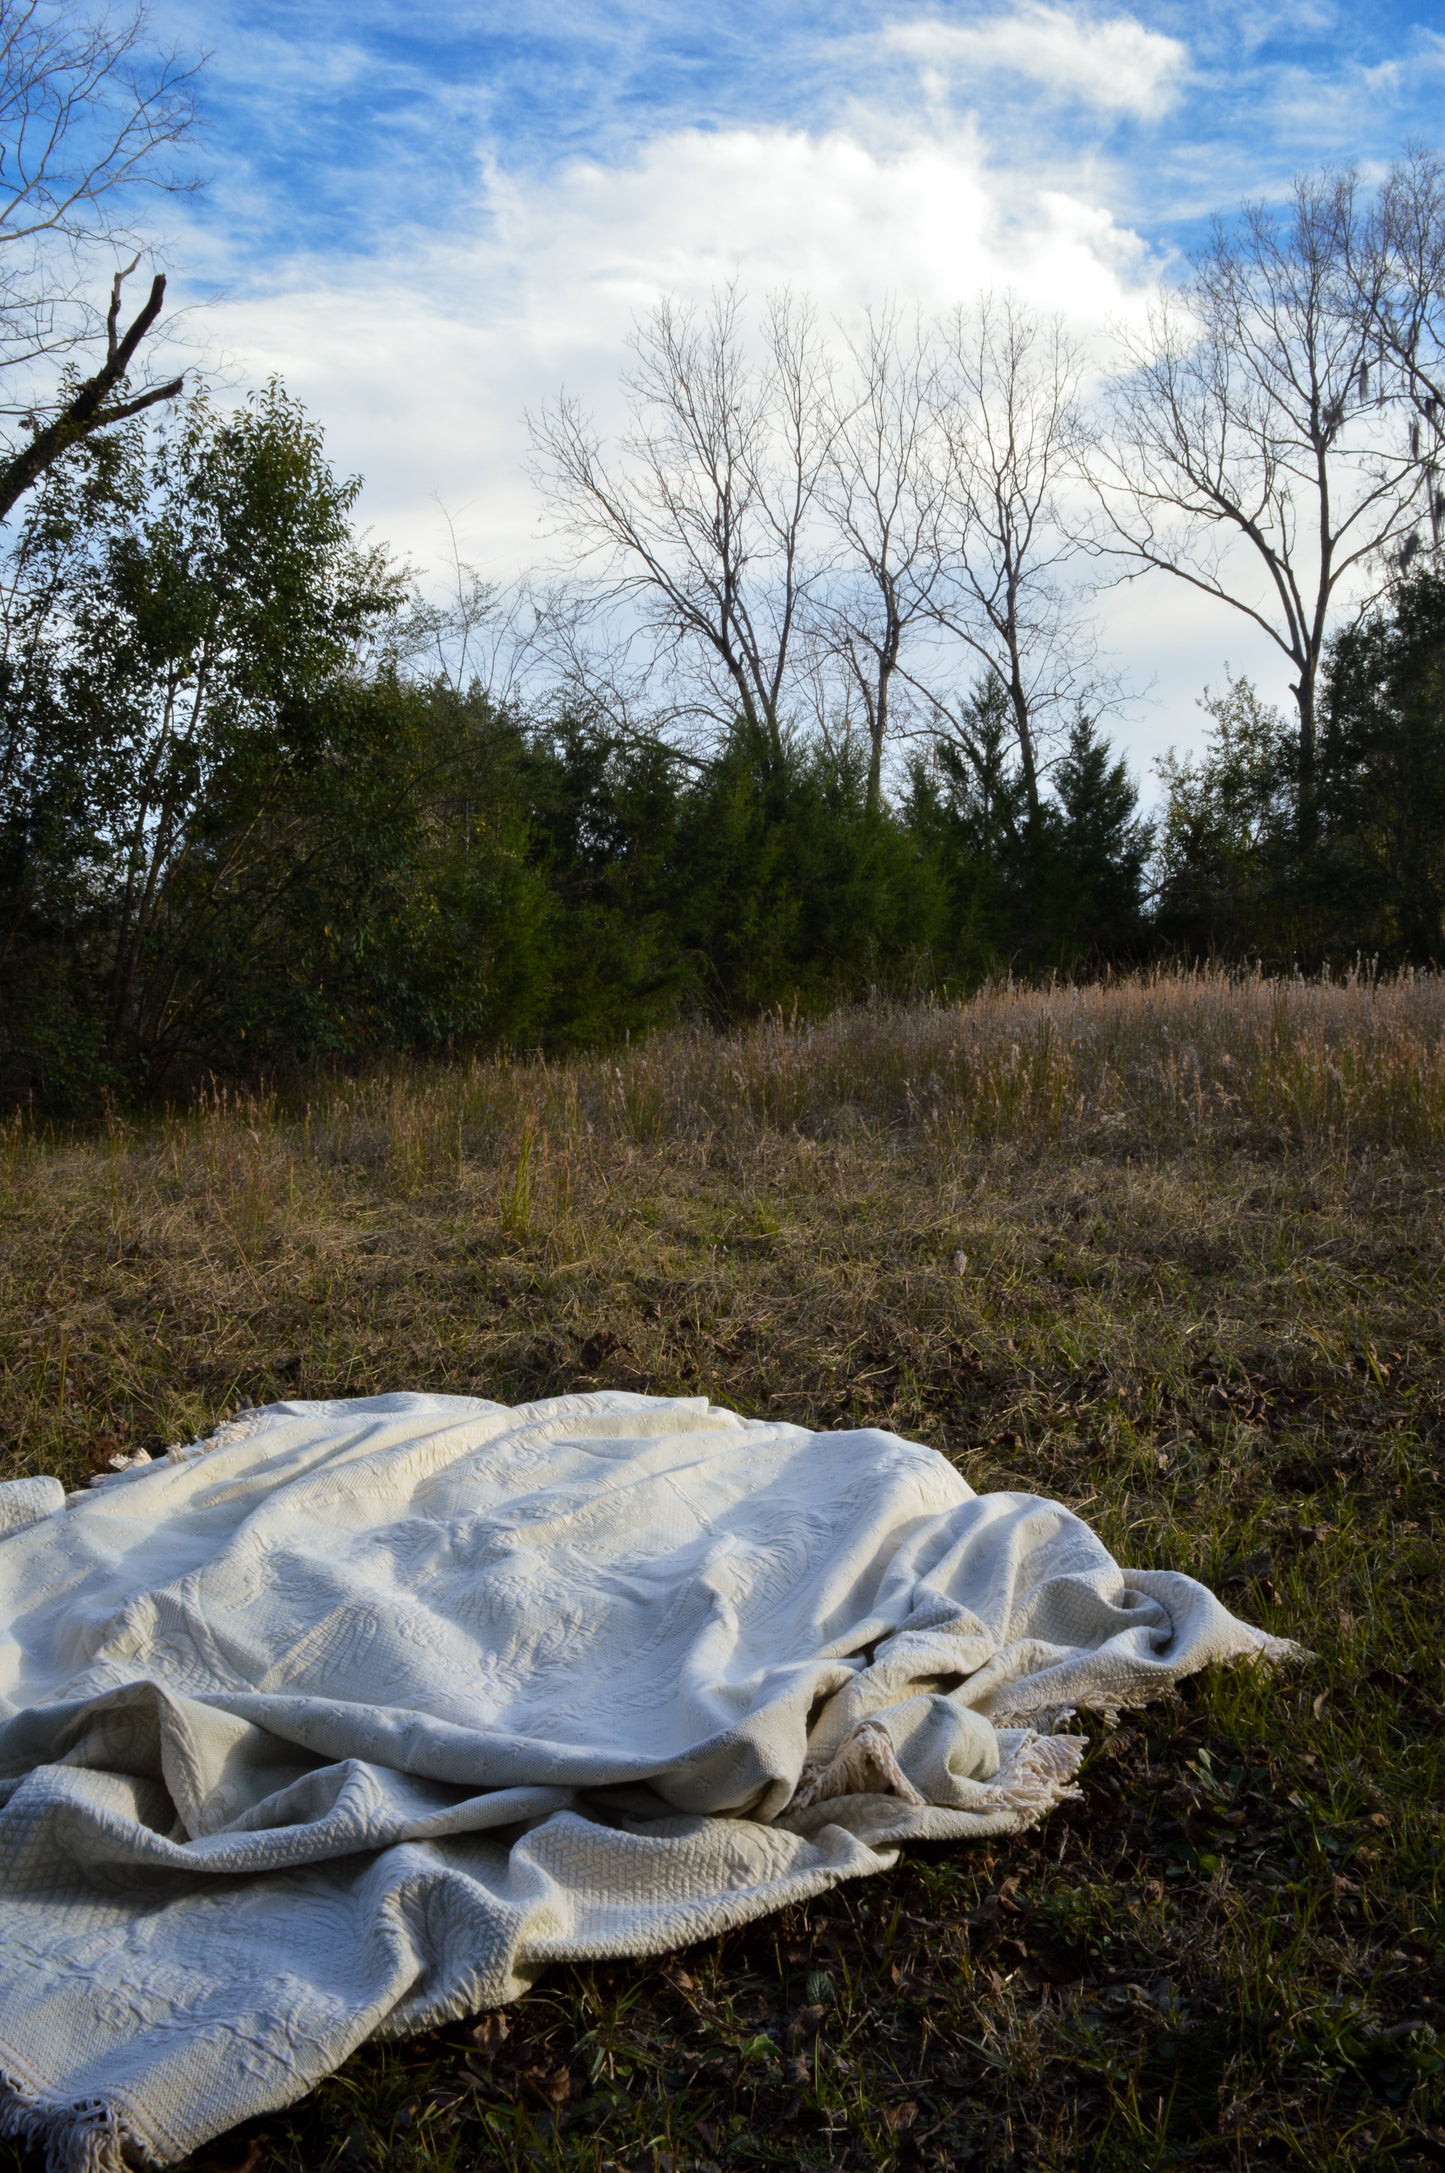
point(1037, 1772)
point(85, 2138)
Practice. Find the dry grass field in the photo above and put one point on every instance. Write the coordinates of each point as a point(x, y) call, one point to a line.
point(1168, 1249)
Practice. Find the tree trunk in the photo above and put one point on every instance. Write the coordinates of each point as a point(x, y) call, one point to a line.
point(85, 411)
point(878, 726)
point(1304, 694)
point(1023, 725)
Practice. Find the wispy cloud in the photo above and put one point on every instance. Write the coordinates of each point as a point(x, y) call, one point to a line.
point(429, 218)
point(423, 359)
point(1110, 62)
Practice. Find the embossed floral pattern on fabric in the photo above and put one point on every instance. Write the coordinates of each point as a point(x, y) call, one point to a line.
point(356, 1716)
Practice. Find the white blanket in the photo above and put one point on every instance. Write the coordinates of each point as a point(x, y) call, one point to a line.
point(355, 1717)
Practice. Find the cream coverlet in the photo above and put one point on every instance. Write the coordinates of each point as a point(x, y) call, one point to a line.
point(356, 1716)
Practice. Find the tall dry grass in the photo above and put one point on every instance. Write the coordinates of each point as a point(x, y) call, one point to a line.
point(1164, 1059)
point(1168, 1061)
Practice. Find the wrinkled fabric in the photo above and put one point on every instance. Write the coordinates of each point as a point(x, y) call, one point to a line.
point(357, 1716)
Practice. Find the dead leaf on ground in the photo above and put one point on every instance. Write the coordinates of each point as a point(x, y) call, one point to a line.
point(490, 2034)
point(554, 2083)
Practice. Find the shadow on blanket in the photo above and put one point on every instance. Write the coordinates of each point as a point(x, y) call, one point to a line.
point(354, 1717)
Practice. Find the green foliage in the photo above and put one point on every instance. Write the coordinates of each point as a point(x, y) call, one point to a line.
point(381, 900)
point(1382, 796)
point(176, 610)
point(790, 889)
point(966, 804)
point(1049, 891)
point(1242, 874)
point(602, 822)
point(237, 841)
point(1101, 847)
point(1227, 849)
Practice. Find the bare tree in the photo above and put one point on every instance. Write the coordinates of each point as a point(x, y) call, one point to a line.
point(88, 113)
point(1399, 280)
point(1011, 423)
point(466, 632)
point(1247, 456)
point(703, 522)
point(884, 494)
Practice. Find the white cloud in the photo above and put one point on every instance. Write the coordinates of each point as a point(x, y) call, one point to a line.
point(1110, 62)
point(421, 366)
point(1174, 643)
point(421, 351)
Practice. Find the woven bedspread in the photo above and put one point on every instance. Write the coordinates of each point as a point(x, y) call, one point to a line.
point(353, 1718)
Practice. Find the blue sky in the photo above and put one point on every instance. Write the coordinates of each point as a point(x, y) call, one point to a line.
point(429, 216)
point(334, 120)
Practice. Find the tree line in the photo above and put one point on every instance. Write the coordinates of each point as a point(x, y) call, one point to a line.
point(245, 831)
point(818, 708)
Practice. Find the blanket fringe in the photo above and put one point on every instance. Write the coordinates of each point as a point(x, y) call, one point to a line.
point(1036, 1773)
point(1267, 1652)
point(85, 2138)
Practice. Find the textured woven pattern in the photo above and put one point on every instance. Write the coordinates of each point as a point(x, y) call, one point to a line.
point(354, 1718)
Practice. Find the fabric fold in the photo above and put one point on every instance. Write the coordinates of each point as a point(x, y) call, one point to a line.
point(356, 1716)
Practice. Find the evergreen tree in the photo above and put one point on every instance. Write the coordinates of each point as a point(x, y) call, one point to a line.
point(1229, 843)
point(1103, 846)
point(1381, 863)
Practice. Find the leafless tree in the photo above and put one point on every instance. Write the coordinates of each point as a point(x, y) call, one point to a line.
point(1011, 424)
point(884, 494)
point(702, 522)
point(1399, 281)
point(466, 632)
point(89, 113)
point(1246, 455)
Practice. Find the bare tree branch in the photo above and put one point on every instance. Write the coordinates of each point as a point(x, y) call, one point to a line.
point(1014, 434)
point(701, 522)
point(85, 411)
point(1247, 456)
point(884, 495)
point(1399, 279)
point(89, 111)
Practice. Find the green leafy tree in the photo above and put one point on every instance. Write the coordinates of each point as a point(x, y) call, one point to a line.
point(968, 804)
point(791, 888)
point(603, 819)
point(1034, 887)
point(178, 605)
point(384, 899)
point(1102, 847)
